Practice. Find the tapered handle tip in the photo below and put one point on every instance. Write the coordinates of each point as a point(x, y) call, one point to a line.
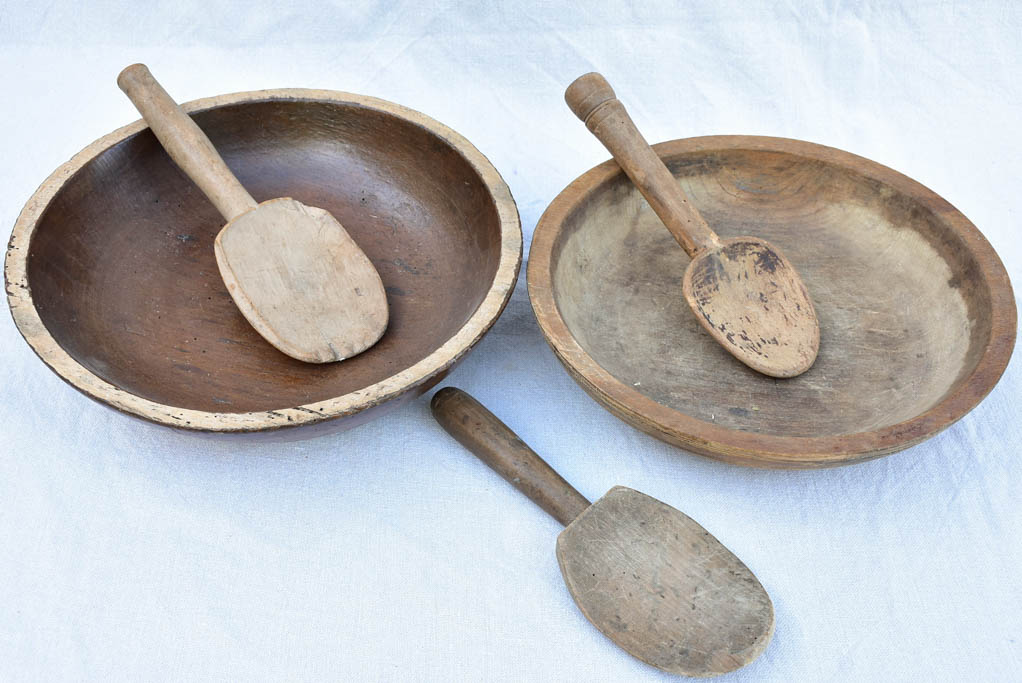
point(441, 398)
point(132, 75)
point(587, 93)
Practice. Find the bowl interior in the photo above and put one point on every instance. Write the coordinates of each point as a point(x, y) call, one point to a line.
point(122, 270)
point(901, 319)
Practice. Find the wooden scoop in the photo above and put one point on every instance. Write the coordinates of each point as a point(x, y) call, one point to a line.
point(742, 290)
point(651, 579)
point(293, 270)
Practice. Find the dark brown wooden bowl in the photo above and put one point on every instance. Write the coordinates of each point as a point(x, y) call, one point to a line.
point(112, 279)
point(916, 312)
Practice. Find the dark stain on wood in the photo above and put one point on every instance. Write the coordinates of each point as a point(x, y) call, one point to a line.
point(767, 261)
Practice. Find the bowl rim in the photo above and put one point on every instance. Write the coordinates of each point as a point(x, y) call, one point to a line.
point(32, 328)
point(749, 448)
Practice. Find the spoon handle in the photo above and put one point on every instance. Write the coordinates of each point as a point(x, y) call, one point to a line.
point(593, 100)
point(185, 142)
point(481, 432)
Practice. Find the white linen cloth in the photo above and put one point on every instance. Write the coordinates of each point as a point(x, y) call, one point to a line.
point(132, 552)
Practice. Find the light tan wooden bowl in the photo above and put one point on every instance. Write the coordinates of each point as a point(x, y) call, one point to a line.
point(112, 279)
point(916, 312)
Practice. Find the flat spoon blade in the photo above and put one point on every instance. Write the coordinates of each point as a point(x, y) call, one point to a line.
point(748, 296)
point(301, 281)
point(661, 587)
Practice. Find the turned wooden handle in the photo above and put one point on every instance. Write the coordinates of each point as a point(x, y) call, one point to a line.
point(481, 432)
point(185, 142)
point(593, 100)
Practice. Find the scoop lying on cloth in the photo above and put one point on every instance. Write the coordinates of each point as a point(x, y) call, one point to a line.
point(651, 579)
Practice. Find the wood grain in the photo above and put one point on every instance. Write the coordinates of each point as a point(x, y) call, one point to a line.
point(112, 279)
point(490, 440)
point(751, 300)
point(185, 142)
point(302, 282)
point(592, 99)
point(916, 310)
point(662, 587)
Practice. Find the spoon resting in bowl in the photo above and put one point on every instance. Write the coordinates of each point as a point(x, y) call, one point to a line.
point(293, 271)
point(743, 291)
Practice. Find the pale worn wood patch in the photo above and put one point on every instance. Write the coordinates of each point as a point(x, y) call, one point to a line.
point(751, 300)
point(662, 587)
point(302, 282)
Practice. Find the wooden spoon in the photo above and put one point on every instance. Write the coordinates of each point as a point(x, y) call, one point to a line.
point(742, 290)
point(293, 270)
point(651, 579)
